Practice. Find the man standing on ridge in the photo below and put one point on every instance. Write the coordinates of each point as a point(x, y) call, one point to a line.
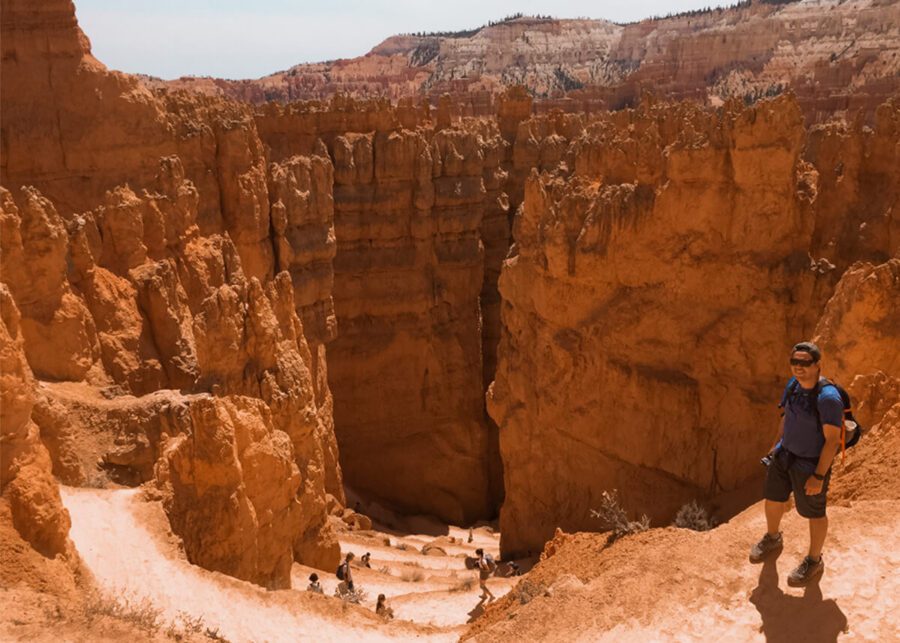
point(800, 461)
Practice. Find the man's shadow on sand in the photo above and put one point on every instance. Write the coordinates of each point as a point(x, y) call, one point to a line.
point(787, 618)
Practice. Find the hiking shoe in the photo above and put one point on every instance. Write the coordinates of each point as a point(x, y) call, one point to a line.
point(806, 572)
point(766, 546)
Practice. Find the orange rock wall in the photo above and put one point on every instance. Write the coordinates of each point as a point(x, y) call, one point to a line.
point(655, 283)
point(26, 480)
point(170, 280)
point(415, 195)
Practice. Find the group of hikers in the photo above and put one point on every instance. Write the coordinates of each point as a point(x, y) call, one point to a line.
point(483, 562)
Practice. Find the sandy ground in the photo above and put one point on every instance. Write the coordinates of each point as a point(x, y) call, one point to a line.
point(679, 585)
point(124, 542)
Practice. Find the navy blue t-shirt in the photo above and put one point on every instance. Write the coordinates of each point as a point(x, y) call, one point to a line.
point(802, 435)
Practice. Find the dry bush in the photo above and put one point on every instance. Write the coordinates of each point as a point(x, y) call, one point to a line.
point(386, 541)
point(185, 625)
point(412, 575)
point(355, 596)
point(402, 546)
point(142, 614)
point(527, 590)
point(464, 585)
point(213, 634)
point(613, 517)
point(694, 516)
point(412, 563)
point(384, 570)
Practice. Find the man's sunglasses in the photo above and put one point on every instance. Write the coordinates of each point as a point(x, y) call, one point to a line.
point(796, 361)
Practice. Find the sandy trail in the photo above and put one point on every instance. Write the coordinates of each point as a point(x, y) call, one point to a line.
point(124, 541)
point(113, 532)
point(428, 589)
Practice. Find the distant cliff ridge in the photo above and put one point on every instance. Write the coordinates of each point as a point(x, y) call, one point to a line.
point(835, 55)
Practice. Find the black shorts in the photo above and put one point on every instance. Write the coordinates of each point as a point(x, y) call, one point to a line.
point(785, 476)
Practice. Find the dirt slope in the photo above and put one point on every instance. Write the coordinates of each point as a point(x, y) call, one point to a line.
point(124, 541)
point(676, 584)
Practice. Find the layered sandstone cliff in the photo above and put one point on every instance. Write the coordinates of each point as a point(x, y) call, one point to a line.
point(26, 480)
point(175, 298)
point(658, 272)
point(835, 55)
point(417, 197)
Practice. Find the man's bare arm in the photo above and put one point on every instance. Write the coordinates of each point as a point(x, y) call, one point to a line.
point(832, 442)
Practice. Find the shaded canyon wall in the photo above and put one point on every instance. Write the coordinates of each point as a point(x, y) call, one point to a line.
point(419, 202)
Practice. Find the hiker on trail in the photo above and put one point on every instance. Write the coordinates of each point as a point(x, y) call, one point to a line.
point(314, 586)
point(365, 560)
point(486, 567)
point(471, 536)
point(382, 609)
point(345, 575)
point(800, 462)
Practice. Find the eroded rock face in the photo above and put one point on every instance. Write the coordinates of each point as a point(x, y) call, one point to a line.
point(420, 213)
point(234, 488)
point(652, 289)
point(171, 313)
point(167, 277)
point(406, 366)
point(859, 333)
point(26, 480)
point(857, 214)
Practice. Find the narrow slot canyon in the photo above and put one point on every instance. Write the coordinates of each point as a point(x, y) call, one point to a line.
point(242, 338)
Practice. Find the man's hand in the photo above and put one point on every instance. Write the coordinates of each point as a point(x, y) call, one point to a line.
point(813, 486)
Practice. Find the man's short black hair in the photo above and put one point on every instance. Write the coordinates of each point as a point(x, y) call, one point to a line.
point(808, 347)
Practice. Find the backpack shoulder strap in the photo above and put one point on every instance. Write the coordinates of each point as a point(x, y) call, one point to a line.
point(789, 390)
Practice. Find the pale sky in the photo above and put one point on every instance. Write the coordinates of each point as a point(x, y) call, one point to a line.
point(253, 38)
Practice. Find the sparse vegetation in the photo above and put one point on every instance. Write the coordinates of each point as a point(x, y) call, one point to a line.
point(185, 625)
point(614, 518)
point(694, 516)
point(412, 575)
point(140, 613)
point(402, 546)
point(528, 590)
point(759, 93)
point(566, 81)
point(355, 596)
point(384, 570)
point(468, 33)
point(743, 4)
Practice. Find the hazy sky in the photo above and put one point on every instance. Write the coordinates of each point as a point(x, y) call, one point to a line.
point(252, 38)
